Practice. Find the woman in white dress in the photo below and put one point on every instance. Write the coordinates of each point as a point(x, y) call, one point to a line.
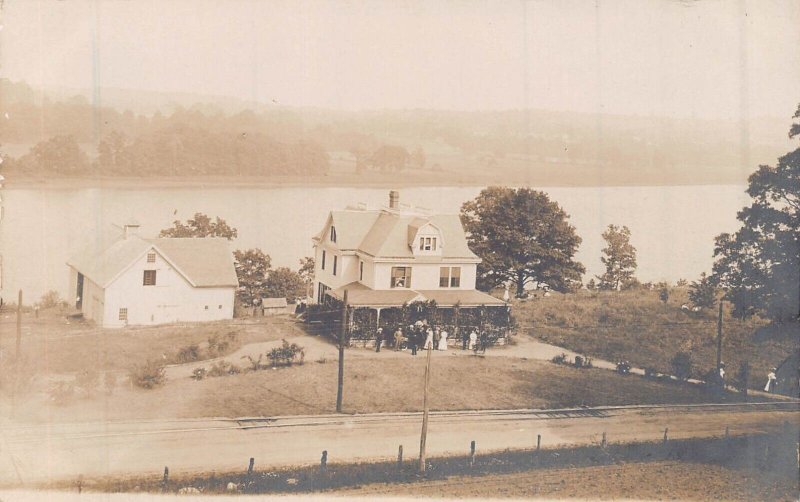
point(473, 339)
point(443, 340)
point(429, 340)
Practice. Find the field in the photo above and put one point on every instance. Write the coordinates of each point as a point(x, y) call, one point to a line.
point(637, 326)
point(666, 480)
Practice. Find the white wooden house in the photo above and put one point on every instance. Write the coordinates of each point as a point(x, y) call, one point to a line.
point(138, 281)
point(394, 255)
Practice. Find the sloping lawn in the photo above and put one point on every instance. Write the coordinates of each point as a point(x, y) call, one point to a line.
point(637, 326)
point(378, 385)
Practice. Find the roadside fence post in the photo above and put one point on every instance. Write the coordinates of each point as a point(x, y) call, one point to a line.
point(250, 467)
point(538, 442)
point(603, 442)
point(80, 483)
point(323, 462)
point(400, 457)
point(472, 454)
point(727, 433)
point(165, 479)
point(666, 435)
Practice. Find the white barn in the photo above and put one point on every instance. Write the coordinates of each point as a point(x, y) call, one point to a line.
point(138, 281)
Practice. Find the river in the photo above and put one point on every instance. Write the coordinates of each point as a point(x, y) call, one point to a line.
point(672, 227)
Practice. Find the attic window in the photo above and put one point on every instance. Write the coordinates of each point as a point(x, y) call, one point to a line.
point(151, 257)
point(123, 314)
point(427, 243)
point(149, 278)
point(333, 233)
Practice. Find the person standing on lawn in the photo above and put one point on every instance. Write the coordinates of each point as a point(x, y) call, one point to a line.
point(412, 339)
point(473, 340)
point(437, 335)
point(442, 345)
point(378, 339)
point(398, 338)
point(771, 381)
point(428, 339)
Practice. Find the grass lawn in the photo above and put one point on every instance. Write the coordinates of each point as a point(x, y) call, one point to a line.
point(637, 326)
point(375, 385)
point(52, 344)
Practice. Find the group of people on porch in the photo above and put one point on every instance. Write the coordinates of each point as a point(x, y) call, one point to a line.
point(421, 335)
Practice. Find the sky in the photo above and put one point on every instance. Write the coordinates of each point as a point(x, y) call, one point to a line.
point(702, 59)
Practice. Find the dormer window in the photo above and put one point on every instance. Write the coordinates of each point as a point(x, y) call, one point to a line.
point(333, 233)
point(151, 257)
point(427, 243)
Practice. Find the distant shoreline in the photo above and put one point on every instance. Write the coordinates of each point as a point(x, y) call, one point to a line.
point(263, 182)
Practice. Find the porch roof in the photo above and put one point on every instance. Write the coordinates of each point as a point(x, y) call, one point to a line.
point(360, 295)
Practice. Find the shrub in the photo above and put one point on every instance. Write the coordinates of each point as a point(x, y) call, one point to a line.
point(219, 344)
point(742, 377)
point(51, 299)
point(682, 365)
point(287, 354)
point(188, 354)
point(199, 373)
point(255, 364)
point(150, 375)
point(223, 368)
point(559, 359)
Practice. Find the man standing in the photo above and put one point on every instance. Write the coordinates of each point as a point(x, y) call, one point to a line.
point(771, 380)
point(412, 339)
point(378, 339)
point(473, 340)
point(398, 338)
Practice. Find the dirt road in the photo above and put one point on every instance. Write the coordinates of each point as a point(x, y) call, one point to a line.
point(35, 454)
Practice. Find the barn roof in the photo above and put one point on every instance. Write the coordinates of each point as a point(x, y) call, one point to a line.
point(203, 262)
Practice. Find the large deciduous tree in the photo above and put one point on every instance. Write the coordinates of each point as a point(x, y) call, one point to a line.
point(759, 265)
point(285, 283)
point(252, 270)
point(522, 237)
point(619, 257)
point(200, 226)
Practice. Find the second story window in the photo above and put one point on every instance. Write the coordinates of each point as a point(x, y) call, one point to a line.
point(149, 278)
point(323, 259)
point(450, 277)
point(334, 264)
point(361, 271)
point(151, 257)
point(333, 233)
point(401, 277)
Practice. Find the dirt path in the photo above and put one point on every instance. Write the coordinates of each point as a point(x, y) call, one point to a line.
point(51, 452)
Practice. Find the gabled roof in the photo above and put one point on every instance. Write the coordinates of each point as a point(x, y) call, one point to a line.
point(203, 262)
point(387, 234)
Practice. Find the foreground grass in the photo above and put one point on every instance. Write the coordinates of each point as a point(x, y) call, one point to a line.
point(376, 385)
point(637, 326)
point(53, 344)
point(667, 480)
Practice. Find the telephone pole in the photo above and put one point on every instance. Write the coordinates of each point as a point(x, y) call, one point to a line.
point(424, 435)
point(719, 337)
point(19, 328)
point(342, 332)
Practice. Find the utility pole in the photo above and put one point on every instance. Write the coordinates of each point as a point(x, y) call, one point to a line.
point(342, 332)
point(424, 435)
point(719, 337)
point(19, 327)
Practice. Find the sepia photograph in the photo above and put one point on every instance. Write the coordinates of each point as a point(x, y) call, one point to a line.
point(399, 250)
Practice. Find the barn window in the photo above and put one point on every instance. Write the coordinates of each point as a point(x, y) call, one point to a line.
point(206, 307)
point(151, 257)
point(220, 307)
point(361, 271)
point(149, 278)
point(123, 314)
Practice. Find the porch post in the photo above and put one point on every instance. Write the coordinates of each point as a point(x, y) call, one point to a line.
point(378, 318)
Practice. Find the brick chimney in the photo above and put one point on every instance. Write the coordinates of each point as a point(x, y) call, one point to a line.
point(394, 199)
point(131, 227)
